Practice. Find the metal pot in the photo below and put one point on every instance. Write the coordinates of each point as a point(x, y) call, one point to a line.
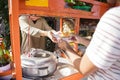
point(40, 63)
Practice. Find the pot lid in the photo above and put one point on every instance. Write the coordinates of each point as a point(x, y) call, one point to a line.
point(38, 57)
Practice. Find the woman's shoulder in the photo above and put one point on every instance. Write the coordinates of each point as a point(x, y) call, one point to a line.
point(112, 12)
point(117, 8)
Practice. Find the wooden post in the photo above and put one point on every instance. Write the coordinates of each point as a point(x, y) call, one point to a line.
point(61, 24)
point(77, 24)
point(15, 36)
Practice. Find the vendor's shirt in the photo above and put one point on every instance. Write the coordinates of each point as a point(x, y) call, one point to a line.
point(104, 48)
point(31, 33)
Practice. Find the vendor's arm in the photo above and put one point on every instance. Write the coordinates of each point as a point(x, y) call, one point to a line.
point(24, 26)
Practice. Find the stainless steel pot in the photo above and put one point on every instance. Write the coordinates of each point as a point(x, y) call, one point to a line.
point(40, 63)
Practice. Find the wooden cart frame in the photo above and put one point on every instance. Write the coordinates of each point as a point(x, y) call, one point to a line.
point(55, 8)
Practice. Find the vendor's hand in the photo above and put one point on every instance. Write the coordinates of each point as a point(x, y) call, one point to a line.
point(58, 32)
point(57, 35)
point(51, 36)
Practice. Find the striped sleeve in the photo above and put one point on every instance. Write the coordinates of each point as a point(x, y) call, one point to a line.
point(104, 48)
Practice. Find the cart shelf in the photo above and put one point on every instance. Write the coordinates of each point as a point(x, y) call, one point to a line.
point(57, 8)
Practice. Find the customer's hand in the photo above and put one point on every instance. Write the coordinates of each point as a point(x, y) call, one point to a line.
point(75, 38)
point(64, 45)
point(80, 40)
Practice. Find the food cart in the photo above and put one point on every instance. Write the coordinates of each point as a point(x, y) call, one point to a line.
point(53, 8)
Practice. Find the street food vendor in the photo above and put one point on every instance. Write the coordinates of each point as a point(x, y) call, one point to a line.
point(101, 60)
point(33, 31)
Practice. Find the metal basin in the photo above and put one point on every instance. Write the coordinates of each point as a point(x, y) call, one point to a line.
point(41, 63)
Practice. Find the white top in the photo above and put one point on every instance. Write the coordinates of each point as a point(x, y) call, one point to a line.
point(104, 48)
point(36, 38)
